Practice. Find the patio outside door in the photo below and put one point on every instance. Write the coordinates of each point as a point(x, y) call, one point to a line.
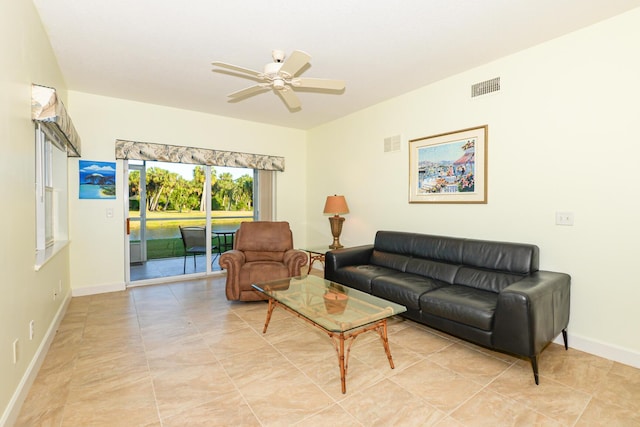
point(165, 197)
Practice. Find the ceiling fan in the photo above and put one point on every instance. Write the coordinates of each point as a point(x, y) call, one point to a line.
point(280, 76)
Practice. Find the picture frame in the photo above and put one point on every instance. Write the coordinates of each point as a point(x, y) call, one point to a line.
point(449, 167)
point(97, 180)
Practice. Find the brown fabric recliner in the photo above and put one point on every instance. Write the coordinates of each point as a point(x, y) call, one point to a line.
point(262, 251)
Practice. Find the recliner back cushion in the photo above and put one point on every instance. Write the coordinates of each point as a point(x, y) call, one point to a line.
point(486, 280)
point(265, 236)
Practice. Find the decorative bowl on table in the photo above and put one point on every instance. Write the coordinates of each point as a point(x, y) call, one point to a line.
point(335, 302)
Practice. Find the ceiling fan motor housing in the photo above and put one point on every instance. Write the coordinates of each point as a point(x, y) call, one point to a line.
point(272, 69)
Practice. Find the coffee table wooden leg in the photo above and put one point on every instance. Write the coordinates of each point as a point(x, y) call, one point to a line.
point(272, 305)
point(382, 331)
point(342, 363)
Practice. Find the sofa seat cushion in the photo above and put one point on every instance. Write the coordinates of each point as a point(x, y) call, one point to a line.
point(462, 304)
point(359, 276)
point(404, 288)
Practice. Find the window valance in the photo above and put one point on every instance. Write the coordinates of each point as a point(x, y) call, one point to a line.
point(134, 150)
point(49, 112)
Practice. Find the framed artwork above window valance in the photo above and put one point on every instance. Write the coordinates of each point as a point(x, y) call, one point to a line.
point(134, 150)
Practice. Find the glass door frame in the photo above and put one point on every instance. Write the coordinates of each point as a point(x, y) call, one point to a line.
point(127, 258)
point(142, 208)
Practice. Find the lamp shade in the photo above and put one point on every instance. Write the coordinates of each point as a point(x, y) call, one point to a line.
point(336, 205)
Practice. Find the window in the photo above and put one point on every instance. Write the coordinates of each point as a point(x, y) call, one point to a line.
point(51, 196)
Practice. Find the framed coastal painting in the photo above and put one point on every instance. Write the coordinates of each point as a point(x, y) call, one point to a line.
point(449, 168)
point(97, 179)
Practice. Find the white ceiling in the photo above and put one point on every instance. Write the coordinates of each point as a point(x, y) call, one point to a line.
point(160, 51)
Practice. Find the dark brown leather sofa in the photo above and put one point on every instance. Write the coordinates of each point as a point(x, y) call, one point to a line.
point(262, 251)
point(489, 293)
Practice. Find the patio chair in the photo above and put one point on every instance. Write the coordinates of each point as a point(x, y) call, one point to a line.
point(262, 251)
point(194, 241)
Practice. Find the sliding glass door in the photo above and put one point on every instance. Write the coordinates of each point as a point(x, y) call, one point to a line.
point(181, 217)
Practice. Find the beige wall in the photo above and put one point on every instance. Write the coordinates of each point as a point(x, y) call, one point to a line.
point(563, 136)
point(97, 242)
point(25, 57)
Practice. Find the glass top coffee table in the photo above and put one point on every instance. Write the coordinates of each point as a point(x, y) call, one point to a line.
point(342, 312)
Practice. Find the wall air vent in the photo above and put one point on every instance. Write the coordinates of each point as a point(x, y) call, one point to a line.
point(392, 143)
point(485, 87)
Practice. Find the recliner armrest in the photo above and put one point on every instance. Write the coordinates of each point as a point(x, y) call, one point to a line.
point(232, 259)
point(295, 259)
point(531, 312)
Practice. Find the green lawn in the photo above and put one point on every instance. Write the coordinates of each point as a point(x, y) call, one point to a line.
point(168, 248)
point(161, 247)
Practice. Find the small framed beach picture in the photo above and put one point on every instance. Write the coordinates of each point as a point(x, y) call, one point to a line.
point(449, 167)
point(97, 179)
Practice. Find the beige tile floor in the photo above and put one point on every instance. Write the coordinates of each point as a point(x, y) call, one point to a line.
point(181, 355)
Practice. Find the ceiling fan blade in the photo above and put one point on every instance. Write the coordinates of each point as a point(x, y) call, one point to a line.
point(241, 75)
point(289, 98)
point(251, 90)
point(237, 68)
point(310, 82)
point(294, 63)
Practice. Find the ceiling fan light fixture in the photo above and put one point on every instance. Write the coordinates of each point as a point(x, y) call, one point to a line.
point(278, 84)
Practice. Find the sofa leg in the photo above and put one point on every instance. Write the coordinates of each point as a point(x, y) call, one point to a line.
point(534, 365)
point(566, 340)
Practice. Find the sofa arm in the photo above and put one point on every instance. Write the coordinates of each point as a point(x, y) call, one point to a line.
point(531, 312)
point(232, 261)
point(338, 258)
point(295, 259)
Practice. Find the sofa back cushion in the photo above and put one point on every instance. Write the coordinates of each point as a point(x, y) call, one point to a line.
point(486, 280)
point(434, 269)
point(440, 248)
point(396, 242)
point(517, 258)
point(389, 260)
point(443, 257)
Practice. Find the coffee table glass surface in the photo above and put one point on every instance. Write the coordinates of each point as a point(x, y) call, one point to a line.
point(332, 306)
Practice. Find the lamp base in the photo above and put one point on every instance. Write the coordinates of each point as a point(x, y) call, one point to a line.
point(336, 222)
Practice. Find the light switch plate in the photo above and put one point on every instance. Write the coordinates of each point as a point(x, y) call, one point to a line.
point(564, 218)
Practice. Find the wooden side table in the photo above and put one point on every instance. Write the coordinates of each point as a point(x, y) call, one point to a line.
point(315, 254)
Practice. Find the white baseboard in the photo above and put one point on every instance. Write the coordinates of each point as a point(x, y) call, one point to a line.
point(98, 289)
point(602, 349)
point(15, 404)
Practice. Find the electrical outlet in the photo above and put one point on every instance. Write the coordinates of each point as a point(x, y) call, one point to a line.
point(15, 351)
point(31, 329)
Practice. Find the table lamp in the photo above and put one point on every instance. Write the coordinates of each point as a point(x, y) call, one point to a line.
point(336, 205)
